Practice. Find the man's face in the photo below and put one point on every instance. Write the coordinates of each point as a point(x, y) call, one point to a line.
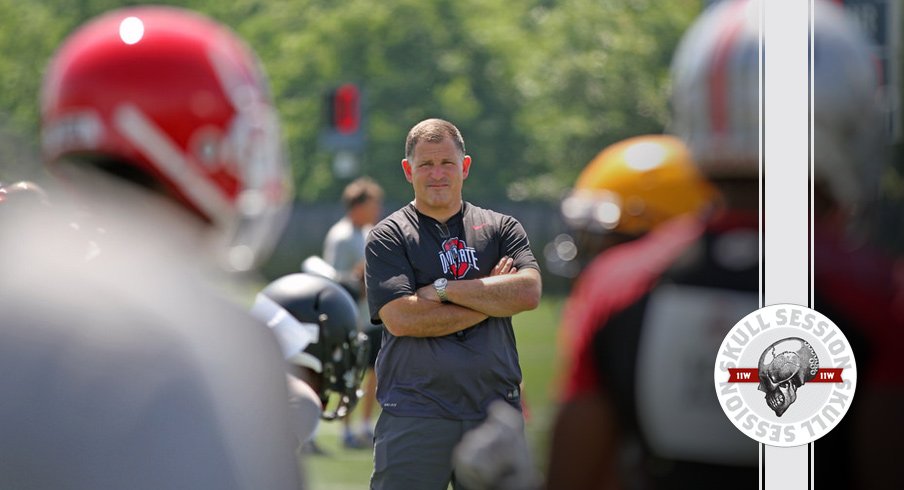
point(436, 171)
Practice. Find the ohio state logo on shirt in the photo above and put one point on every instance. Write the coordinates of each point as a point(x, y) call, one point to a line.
point(457, 257)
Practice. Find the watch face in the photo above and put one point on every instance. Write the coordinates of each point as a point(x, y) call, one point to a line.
point(440, 283)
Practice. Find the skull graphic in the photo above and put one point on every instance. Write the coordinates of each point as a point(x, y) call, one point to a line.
point(784, 367)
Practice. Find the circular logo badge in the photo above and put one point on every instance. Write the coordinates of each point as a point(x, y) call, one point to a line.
point(785, 375)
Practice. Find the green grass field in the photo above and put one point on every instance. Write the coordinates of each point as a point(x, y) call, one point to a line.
point(346, 469)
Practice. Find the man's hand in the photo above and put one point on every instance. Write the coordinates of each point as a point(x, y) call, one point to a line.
point(506, 291)
point(505, 266)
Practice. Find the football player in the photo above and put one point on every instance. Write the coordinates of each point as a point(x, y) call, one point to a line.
point(626, 190)
point(651, 313)
point(133, 370)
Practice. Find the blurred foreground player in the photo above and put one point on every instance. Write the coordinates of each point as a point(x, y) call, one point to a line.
point(630, 188)
point(638, 333)
point(316, 323)
point(627, 190)
point(647, 316)
point(854, 284)
point(636, 397)
point(130, 370)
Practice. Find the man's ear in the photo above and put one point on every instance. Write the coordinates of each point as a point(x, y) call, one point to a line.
point(465, 166)
point(406, 167)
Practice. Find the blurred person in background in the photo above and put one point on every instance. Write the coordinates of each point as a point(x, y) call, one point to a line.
point(445, 277)
point(343, 249)
point(132, 369)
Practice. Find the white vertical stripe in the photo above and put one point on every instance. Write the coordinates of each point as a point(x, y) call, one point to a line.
point(785, 201)
point(786, 152)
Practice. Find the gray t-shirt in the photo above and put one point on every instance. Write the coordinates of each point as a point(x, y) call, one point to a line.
point(455, 376)
point(343, 248)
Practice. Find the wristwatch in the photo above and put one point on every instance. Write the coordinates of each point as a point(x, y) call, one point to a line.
point(440, 286)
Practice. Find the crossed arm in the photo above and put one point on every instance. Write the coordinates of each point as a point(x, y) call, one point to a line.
point(505, 292)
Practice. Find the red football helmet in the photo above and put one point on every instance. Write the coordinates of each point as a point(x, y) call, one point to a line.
point(180, 100)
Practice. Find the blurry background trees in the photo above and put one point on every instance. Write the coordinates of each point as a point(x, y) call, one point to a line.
point(537, 87)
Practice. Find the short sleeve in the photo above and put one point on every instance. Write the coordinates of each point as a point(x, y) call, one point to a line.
point(516, 245)
point(388, 271)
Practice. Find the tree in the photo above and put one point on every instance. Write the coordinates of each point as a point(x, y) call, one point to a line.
point(536, 86)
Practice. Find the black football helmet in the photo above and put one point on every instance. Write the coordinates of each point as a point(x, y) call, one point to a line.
point(339, 350)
